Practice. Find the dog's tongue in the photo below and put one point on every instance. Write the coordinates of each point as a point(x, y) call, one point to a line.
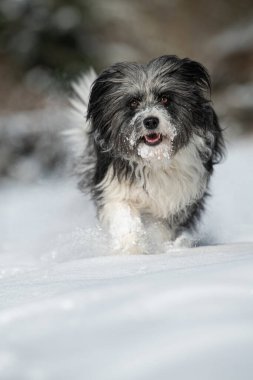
point(152, 138)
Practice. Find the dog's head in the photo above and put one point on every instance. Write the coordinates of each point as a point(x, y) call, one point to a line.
point(148, 112)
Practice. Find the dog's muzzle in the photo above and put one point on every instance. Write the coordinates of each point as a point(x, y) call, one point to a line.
point(151, 138)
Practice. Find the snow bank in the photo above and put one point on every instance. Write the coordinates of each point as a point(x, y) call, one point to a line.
point(71, 310)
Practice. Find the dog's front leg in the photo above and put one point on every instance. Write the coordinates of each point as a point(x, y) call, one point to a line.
point(125, 227)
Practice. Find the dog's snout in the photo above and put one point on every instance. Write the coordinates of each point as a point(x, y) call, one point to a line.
point(151, 122)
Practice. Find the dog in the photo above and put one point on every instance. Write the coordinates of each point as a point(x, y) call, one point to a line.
point(150, 139)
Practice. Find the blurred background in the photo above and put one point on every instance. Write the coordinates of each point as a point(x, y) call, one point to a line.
point(45, 44)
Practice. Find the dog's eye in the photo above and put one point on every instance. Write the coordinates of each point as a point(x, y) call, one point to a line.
point(134, 103)
point(164, 100)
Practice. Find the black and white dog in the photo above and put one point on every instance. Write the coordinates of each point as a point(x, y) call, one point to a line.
point(152, 138)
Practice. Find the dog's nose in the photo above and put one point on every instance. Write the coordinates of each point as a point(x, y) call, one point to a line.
point(151, 122)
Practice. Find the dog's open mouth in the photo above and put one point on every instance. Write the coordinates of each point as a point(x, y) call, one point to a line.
point(152, 139)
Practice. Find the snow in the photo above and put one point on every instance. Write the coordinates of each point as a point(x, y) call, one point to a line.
point(69, 309)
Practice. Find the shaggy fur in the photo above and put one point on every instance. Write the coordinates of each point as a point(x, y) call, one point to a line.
point(152, 138)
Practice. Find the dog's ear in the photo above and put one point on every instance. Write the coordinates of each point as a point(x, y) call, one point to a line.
point(195, 72)
point(106, 84)
point(184, 70)
point(98, 92)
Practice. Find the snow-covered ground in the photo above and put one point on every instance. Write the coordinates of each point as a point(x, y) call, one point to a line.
point(71, 310)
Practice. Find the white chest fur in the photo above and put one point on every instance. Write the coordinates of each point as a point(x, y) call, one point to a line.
point(165, 187)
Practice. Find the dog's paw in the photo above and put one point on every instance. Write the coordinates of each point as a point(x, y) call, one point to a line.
point(184, 241)
point(128, 245)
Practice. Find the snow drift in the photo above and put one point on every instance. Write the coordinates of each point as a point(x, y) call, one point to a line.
point(71, 310)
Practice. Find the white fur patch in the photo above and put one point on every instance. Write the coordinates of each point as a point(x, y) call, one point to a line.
point(162, 189)
point(159, 152)
point(125, 227)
